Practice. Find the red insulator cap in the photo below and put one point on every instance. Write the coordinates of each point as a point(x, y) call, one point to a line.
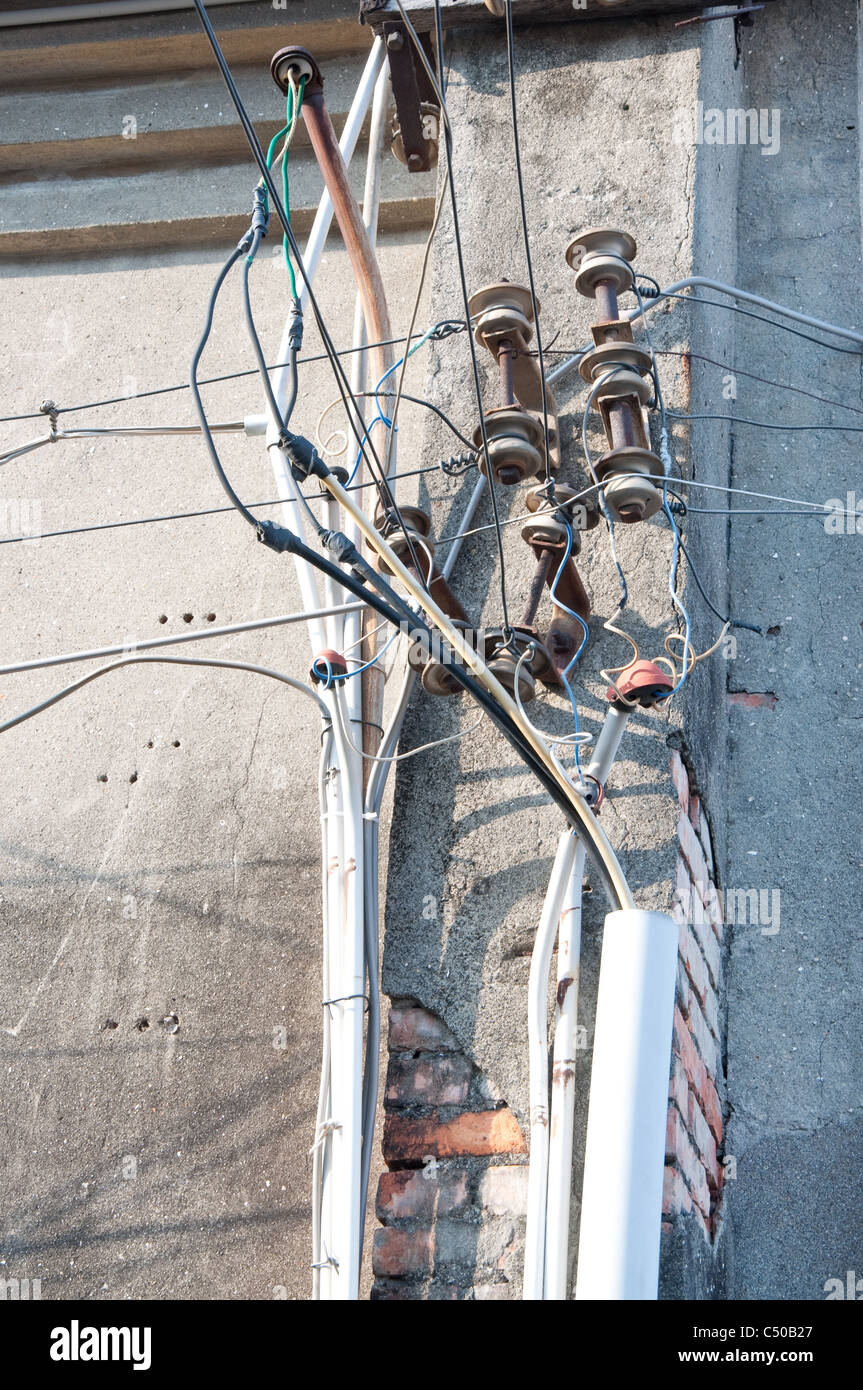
point(336, 662)
point(642, 681)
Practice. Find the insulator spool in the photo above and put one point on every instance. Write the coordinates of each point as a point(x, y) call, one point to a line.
point(515, 445)
point(430, 115)
point(628, 459)
point(338, 666)
point(642, 681)
point(499, 311)
point(601, 359)
point(503, 660)
point(582, 511)
point(386, 520)
point(549, 534)
point(400, 541)
point(436, 678)
point(598, 254)
point(619, 385)
point(297, 61)
point(631, 498)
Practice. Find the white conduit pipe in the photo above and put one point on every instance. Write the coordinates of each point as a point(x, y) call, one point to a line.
point(537, 1026)
point(621, 1207)
point(565, 1050)
point(559, 1186)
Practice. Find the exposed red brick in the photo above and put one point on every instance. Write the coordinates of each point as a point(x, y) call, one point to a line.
point(428, 1079)
point(399, 1253)
point(413, 1028)
point(408, 1139)
point(678, 1089)
point(690, 954)
point(700, 1131)
point(410, 1195)
point(680, 778)
point(750, 700)
point(680, 1149)
point(697, 1075)
point(693, 854)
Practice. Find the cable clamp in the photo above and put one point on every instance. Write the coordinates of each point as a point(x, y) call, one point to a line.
point(260, 211)
point(446, 329)
point(52, 411)
point(277, 538)
point(303, 457)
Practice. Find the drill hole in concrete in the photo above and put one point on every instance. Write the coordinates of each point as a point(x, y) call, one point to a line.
point(103, 777)
point(176, 743)
point(163, 617)
point(211, 617)
point(187, 617)
point(134, 777)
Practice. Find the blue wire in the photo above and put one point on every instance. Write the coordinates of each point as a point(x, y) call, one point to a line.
point(331, 678)
point(379, 417)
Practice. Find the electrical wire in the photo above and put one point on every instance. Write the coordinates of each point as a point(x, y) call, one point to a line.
point(442, 330)
point(440, 96)
point(165, 660)
point(768, 424)
point(366, 445)
point(752, 376)
point(411, 752)
point(510, 53)
point(760, 318)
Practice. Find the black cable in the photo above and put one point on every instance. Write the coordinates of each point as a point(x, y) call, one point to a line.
point(235, 255)
point(760, 318)
point(255, 340)
point(447, 135)
point(752, 376)
point(732, 622)
point(510, 47)
point(452, 326)
point(768, 424)
point(203, 511)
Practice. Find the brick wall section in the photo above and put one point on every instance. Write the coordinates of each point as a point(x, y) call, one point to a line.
point(693, 1172)
point(452, 1204)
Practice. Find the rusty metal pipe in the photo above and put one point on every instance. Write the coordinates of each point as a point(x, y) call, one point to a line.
point(606, 302)
point(378, 331)
point(505, 354)
point(537, 585)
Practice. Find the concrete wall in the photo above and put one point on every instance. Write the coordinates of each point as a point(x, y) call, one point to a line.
point(475, 835)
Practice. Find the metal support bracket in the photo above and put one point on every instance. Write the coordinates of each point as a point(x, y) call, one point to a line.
point(417, 112)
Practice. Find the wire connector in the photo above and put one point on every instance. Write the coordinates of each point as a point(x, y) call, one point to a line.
point(295, 328)
point(343, 550)
point(277, 538)
point(260, 211)
point(303, 457)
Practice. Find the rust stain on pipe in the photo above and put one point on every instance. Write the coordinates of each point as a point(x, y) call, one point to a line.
point(378, 330)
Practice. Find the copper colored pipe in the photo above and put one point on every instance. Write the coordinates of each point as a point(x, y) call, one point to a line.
point(376, 314)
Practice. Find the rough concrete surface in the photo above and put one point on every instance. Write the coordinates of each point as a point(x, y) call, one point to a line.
point(477, 835)
point(160, 849)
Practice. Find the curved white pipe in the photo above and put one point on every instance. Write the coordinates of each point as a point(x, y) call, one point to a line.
point(537, 1026)
point(621, 1205)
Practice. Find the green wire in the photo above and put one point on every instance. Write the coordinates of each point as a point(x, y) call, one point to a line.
point(292, 117)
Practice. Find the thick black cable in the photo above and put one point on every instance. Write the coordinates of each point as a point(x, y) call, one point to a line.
point(510, 53)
